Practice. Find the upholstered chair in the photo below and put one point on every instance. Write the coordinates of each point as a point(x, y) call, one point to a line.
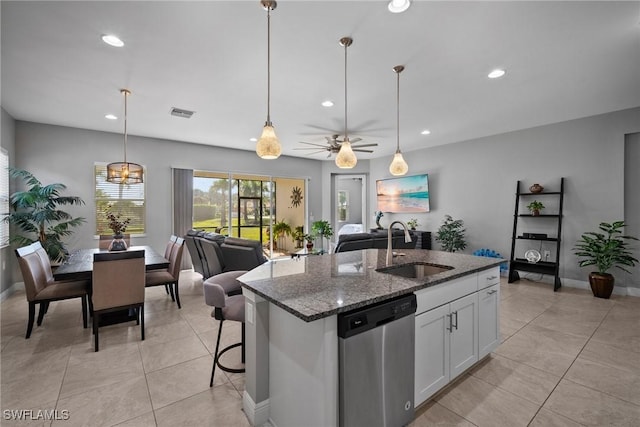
point(170, 276)
point(41, 288)
point(118, 285)
point(194, 252)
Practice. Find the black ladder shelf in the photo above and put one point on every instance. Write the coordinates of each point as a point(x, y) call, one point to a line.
point(541, 267)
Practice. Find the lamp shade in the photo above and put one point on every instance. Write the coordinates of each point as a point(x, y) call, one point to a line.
point(398, 166)
point(346, 158)
point(268, 146)
point(124, 173)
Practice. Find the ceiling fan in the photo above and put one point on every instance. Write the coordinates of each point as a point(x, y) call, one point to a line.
point(333, 146)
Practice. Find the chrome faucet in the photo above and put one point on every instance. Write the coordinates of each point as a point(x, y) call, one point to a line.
point(407, 239)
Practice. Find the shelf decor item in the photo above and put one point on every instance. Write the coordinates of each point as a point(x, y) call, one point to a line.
point(532, 256)
point(535, 207)
point(412, 223)
point(536, 188)
point(605, 250)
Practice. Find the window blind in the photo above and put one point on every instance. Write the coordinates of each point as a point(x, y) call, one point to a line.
point(124, 199)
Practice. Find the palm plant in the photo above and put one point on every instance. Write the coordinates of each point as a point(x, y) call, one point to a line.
point(35, 212)
point(607, 249)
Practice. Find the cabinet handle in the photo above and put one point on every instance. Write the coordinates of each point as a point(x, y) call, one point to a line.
point(456, 325)
point(492, 277)
point(491, 292)
point(450, 328)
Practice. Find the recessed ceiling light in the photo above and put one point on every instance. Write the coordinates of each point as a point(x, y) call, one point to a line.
point(112, 40)
point(327, 103)
point(496, 73)
point(398, 6)
point(111, 117)
point(425, 132)
point(253, 139)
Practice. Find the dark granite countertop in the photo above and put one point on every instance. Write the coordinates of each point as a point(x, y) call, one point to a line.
point(317, 286)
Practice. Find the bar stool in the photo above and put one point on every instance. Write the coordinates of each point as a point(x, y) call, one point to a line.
point(225, 308)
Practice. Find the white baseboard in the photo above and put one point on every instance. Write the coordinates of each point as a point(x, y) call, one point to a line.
point(584, 284)
point(258, 414)
point(11, 290)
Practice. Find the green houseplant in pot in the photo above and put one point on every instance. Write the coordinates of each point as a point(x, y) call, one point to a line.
point(605, 250)
point(451, 234)
point(323, 230)
point(36, 213)
point(535, 207)
point(280, 229)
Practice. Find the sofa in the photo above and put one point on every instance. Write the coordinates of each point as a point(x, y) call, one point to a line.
point(213, 253)
point(374, 239)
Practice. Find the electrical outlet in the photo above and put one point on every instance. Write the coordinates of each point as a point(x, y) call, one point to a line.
point(547, 254)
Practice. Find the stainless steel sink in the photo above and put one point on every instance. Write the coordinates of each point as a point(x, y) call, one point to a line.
point(415, 270)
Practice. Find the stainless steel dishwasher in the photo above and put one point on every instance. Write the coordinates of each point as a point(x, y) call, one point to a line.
point(376, 364)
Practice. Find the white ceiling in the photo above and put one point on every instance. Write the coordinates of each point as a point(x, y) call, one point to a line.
point(564, 60)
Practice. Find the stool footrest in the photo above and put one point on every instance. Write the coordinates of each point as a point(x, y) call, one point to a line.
point(224, 368)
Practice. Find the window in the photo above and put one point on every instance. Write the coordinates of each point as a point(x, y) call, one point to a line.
point(127, 200)
point(4, 197)
point(343, 206)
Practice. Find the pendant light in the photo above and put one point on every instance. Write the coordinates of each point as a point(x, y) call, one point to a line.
point(125, 172)
point(398, 166)
point(268, 146)
point(346, 158)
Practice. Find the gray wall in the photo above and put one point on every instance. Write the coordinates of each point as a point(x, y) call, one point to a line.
point(632, 200)
point(67, 155)
point(7, 258)
point(475, 180)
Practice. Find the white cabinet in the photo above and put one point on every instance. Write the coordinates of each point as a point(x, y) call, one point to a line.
point(488, 320)
point(446, 344)
point(457, 324)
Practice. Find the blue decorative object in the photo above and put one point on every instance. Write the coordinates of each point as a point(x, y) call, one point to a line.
point(379, 215)
point(491, 254)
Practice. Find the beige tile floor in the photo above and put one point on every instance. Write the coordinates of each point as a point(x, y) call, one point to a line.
point(567, 359)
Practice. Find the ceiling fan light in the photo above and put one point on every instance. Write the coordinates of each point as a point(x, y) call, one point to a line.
point(398, 166)
point(346, 158)
point(268, 146)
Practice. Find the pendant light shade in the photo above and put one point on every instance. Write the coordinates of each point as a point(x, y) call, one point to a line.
point(125, 172)
point(346, 158)
point(268, 146)
point(398, 165)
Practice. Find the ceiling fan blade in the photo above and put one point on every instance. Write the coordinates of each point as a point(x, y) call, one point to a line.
point(373, 144)
point(355, 140)
point(363, 151)
point(316, 152)
point(310, 148)
point(312, 143)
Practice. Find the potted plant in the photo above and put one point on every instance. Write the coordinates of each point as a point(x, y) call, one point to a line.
point(535, 207)
point(605, 250)
point(322, 229)
point(35, 211)
point(451, 234)
point(118, 226)
point(298, 236)
point(280, 229)
point(310, 237)
point(412, 223)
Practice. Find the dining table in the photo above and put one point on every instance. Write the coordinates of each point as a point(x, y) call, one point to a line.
point(79, 265)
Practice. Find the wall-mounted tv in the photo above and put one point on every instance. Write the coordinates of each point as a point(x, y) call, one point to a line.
point(404, 194)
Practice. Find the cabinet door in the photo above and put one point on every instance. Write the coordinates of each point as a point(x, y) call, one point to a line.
point(464, 334)
point(488, 320)
point(432, 352)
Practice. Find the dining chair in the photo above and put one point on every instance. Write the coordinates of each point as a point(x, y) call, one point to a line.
point(226, 307)
point(106, 239)
point(171, 275)
point(41, 288)
point(118, 285)
point(194, 252)
point(167, 255)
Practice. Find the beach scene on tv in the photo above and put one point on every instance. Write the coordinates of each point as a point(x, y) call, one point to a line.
point(405, 194)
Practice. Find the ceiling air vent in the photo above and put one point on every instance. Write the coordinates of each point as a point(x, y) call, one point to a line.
point(178, 112)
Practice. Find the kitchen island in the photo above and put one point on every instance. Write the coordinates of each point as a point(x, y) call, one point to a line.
point(291, 313)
